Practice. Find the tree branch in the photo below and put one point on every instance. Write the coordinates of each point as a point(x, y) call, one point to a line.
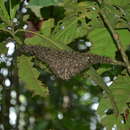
point(116, 38)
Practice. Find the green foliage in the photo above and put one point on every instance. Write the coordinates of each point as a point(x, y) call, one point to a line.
point(76, 27)
point(3, 12)
point(45, 38)
point(2, 26)
point(8, 10)
point(44, 3)
point(126, 13)
point(117, 2)
point(13, 6)
point(29, 77)
point(120, 90)
point(110, 12)
point(2, 48)
point(66, 30)
point(60, 24)
point(45, 41)
point(103, 43)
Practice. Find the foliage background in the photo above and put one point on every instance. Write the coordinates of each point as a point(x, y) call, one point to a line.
point(44, 102)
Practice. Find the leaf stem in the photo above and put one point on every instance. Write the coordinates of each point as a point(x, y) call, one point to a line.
point(60, 46)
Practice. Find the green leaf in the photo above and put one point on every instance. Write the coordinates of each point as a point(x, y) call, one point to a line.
point(121, 91)
point(36, 10)
point(103, 43)
point(45, 39)
point(13, 5)
point(96, 21)
point(68, 30)
point(124, 37)
point(46, 27)
point(3, 12)
point(44, 3)
point(113, 15)
point(126, 11)
point(29, 76)
point(117, 2)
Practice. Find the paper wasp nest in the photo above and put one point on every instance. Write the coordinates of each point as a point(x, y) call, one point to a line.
point(64, 64)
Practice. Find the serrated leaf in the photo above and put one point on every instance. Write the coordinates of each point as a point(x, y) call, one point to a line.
point(44, 3)
point(96, 21)
point(2, 26)
point(45, 41)
point(68, 30)
point(45, 38)
point(29, 76)
point(121, 91)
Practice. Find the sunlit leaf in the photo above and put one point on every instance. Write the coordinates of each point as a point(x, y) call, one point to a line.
point(3, 49)
point(46, 27)
point(102, 42)
point(45, 38)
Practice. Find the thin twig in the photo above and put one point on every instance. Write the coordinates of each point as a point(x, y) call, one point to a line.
point(116, 38)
